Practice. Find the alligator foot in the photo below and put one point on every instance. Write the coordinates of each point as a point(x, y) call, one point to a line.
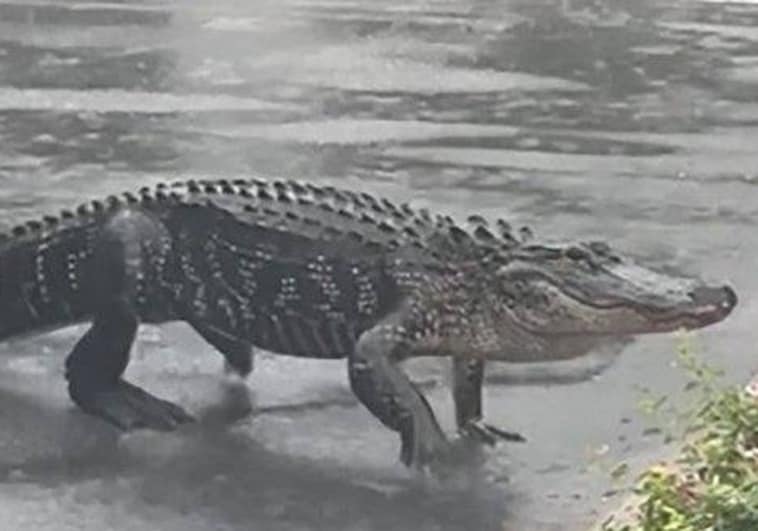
point(488, 434)
point(428, 449)
point(424, 445)
point(128, 407)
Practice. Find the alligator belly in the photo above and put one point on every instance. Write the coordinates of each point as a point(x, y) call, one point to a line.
point(296, 335)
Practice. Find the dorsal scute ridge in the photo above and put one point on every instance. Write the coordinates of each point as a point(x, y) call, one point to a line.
point(334, 208)
point(299, 206)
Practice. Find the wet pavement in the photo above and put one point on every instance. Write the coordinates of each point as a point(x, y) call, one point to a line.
point(634, 122)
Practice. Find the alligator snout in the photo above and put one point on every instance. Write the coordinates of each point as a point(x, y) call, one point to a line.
point(722, 299)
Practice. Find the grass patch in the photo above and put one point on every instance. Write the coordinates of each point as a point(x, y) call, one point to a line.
point(713, 485)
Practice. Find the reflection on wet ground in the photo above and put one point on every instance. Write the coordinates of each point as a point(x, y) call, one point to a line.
point(630, 121)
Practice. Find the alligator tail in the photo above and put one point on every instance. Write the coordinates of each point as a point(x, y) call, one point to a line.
point(44, 267)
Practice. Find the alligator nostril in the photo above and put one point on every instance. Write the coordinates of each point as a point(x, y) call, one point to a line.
point(723, 297)
point(731, 298)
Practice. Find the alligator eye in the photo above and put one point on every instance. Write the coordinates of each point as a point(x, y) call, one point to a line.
point(575, 253)
point(600, 248)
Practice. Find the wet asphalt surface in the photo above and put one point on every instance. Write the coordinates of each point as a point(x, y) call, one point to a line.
point(635, 124)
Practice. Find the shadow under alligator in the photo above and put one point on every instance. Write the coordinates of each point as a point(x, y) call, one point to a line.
point(216, 472)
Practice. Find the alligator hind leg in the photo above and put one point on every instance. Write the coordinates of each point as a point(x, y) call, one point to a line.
point(468, 375)
point(382, 387)
point(95, 367)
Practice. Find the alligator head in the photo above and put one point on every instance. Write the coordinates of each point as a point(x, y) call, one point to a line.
point(558, 301)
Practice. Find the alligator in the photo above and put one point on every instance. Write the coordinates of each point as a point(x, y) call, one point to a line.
point(317, 271)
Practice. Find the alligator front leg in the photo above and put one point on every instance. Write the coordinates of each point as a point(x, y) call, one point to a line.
point(95, 367)
point(468, 375)
point(387, 392)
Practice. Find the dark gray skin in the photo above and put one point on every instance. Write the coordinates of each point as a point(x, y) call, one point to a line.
point(314, 271)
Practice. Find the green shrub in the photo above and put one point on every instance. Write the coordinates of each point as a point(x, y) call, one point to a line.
point(713, 486)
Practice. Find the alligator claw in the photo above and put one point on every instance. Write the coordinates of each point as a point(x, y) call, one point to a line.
point(424, 445)
point(489, 434)
point(441, 457)
point(429, 450)
point(128, 407)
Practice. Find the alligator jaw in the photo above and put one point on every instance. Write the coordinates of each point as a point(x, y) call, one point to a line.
point(709, 306)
